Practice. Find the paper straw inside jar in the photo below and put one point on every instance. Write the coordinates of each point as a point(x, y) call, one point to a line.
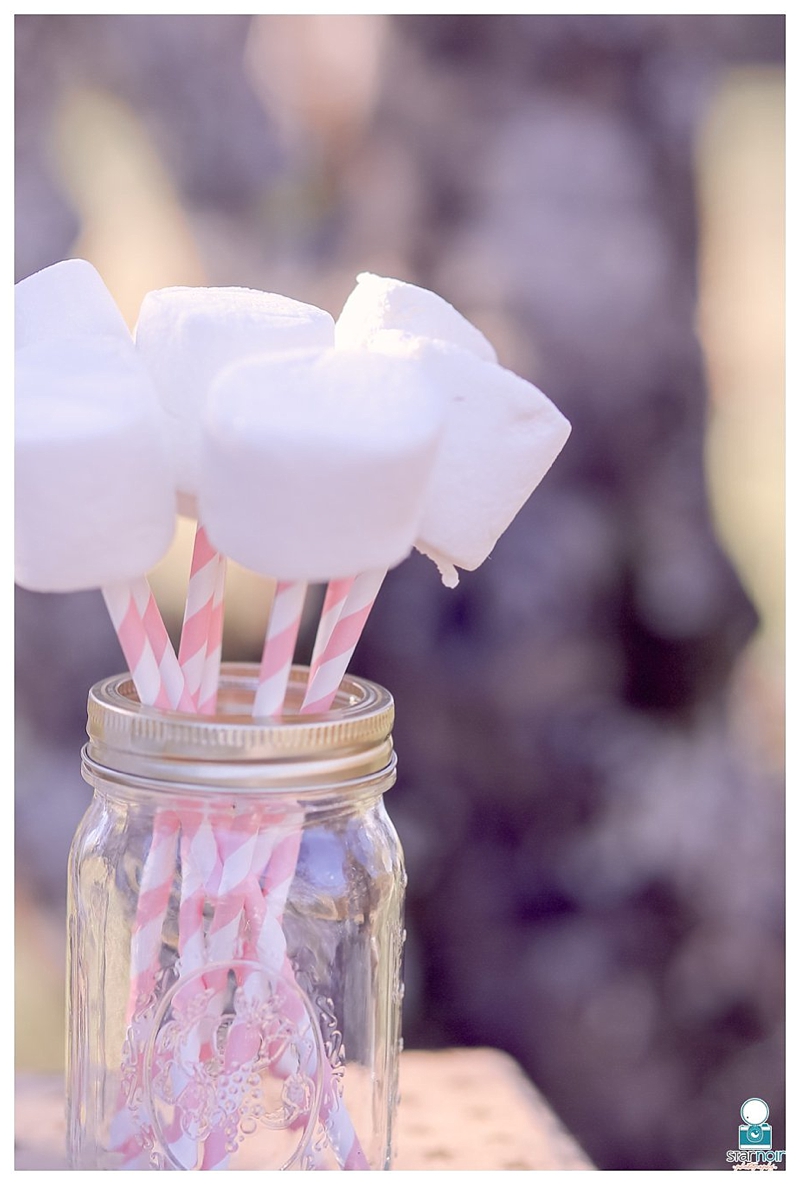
point(345, 611)
point(159, 682)
point(266, 946)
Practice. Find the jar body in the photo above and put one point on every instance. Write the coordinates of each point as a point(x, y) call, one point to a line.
point(233, 979)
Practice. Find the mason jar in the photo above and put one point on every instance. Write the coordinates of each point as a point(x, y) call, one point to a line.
point(234, 935)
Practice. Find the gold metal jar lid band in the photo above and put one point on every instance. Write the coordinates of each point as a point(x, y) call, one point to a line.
point(313, 781)
point(350, 742)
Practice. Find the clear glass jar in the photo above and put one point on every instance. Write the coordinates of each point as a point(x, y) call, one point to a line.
point(235, 933)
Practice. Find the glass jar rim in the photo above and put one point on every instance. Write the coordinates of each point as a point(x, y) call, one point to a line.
point(349, 743)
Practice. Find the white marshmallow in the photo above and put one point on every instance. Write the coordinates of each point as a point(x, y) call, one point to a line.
point(95, 499)
point(187, 335)
point(68, 299)
point(378, 303)
point(501, 436)
point(315, 463)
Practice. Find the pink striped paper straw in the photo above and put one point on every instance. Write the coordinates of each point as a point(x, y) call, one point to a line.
point(200, 863)
point(268, 943)
point(267, 935)
point(159, 682)
point(227, 942)
point(279, 644)
point(265, 944)
point(274, 857)
point(167, 659)
point(250, 847)
point(130, 1128)
point(136, 645)
point(209, 686)
point(146, 645)
point(200, 866)
point(197, 615)
point(324, 682)
point(335, 597)
point(158, 872)
point(236, 842)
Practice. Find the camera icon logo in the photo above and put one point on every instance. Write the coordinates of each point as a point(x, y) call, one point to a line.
point(755, 1132)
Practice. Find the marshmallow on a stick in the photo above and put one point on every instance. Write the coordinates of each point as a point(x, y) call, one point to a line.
point(186, 336)
point(315, 463)
point(68, 299)
point(95, 501)
point(501, 436)
point(378, 302)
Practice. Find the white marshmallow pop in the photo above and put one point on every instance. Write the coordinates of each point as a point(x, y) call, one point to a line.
point(501, 436)
point(66, 300)
point(315, 464)
point(95, 502)
point(186, 336)
point(378, 303)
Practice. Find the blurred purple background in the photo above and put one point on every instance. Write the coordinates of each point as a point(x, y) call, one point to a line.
point(589, 727)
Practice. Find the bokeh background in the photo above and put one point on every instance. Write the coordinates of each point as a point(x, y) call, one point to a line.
point(590, 728)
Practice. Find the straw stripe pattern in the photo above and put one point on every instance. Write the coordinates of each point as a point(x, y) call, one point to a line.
point(199, 867)
point(236, 842)
point(216, 1147)
point(335, 657)
point(159, 682)
point(168, 665)
point(199, 862)
point(279, 644)
point(197, 616)
point(135, 644)
point(154, 894)
point(335, 597)
point(207, 695)
point(222, 856)
point(269, 939)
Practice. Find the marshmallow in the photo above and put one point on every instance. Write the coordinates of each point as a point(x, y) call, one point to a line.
point(187, 335)
point(315, 463)
point(68, 299)
point(378, 303)
point(501, 436)
point(95, 500)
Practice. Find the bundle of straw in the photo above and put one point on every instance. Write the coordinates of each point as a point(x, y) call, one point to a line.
point(240, 869)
